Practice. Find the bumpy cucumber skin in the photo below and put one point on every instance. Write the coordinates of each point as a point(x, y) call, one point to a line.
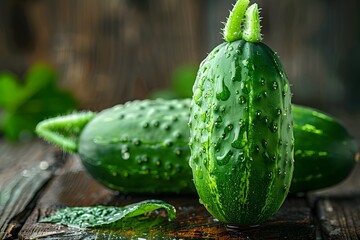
point(324, 150)
point(241, 135)
point(139, 147)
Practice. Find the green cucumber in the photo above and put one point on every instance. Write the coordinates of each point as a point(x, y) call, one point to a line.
point(139, 147)
point(241, 132)
point(324, 150)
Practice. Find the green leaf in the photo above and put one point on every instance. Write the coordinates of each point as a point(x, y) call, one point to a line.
point(9, 90)
point(26, 105)
point(100, 216)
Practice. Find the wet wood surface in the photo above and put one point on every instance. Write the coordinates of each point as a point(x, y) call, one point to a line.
point(36, 180)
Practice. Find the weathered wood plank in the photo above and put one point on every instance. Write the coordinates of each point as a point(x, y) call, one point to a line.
point(25, 168)
point(338, 208)
point(340, 217)
point(74, 187)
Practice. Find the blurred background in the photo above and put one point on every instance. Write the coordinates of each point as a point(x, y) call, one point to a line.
point(97, 53)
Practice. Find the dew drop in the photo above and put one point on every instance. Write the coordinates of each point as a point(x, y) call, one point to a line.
point(224, 92)
point(229, 128)
point(144, 170)
point(177, 135)
point(265, 155)
point(156, 124)
point(224, 159)
point(258, 114)
point(218, 121)
point(168, 143)
point(125, 155)
point(275, 85)
point(262, 81)
point(178, 152)
point(217, 147)
point(168, 165)
point(241, 158)
point(157, 161)
point(266, 120)
point(136, 142)
point(264, 143)
point(198, 173)
point(197, 96)
point(242, 100)
point(245, 88)
point(240, 142)
point(274, 128)
point(166, 127)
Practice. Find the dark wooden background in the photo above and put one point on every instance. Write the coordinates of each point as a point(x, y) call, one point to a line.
point(109, 52)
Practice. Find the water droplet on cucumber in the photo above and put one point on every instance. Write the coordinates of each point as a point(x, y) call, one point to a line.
point(223, 94)
point(242, 100)
point(224, 159)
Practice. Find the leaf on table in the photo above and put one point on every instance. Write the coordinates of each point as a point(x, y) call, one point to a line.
point(100, 216)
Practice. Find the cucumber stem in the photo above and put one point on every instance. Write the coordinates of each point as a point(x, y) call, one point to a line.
point(232, 30)
point(243, 23)
point(64, 131)
point(252, 28)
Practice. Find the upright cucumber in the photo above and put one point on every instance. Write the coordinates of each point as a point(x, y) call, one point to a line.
point(324, 151)
point(241, 132)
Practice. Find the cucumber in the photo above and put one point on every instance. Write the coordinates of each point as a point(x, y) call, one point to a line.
point(312, 171)
point(139, 147)
point(325, 152)
point(241, 130)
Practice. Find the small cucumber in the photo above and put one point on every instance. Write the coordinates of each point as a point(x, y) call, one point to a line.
point(241, 132)
point(332, 149)
point(139, 147)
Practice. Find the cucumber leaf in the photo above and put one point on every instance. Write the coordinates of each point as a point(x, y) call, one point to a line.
point(100, 216)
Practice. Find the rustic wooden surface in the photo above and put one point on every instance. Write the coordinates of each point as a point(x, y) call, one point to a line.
point(35, 180)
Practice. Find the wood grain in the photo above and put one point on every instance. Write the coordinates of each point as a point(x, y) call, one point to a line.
point(24, 170)
point(340, 217)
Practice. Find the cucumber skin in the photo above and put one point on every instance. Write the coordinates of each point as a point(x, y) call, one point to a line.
point(241, 135)
point(139, 147)
point(324, 150)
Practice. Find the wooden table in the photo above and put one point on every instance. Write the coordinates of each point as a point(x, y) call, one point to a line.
point(36, 179)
